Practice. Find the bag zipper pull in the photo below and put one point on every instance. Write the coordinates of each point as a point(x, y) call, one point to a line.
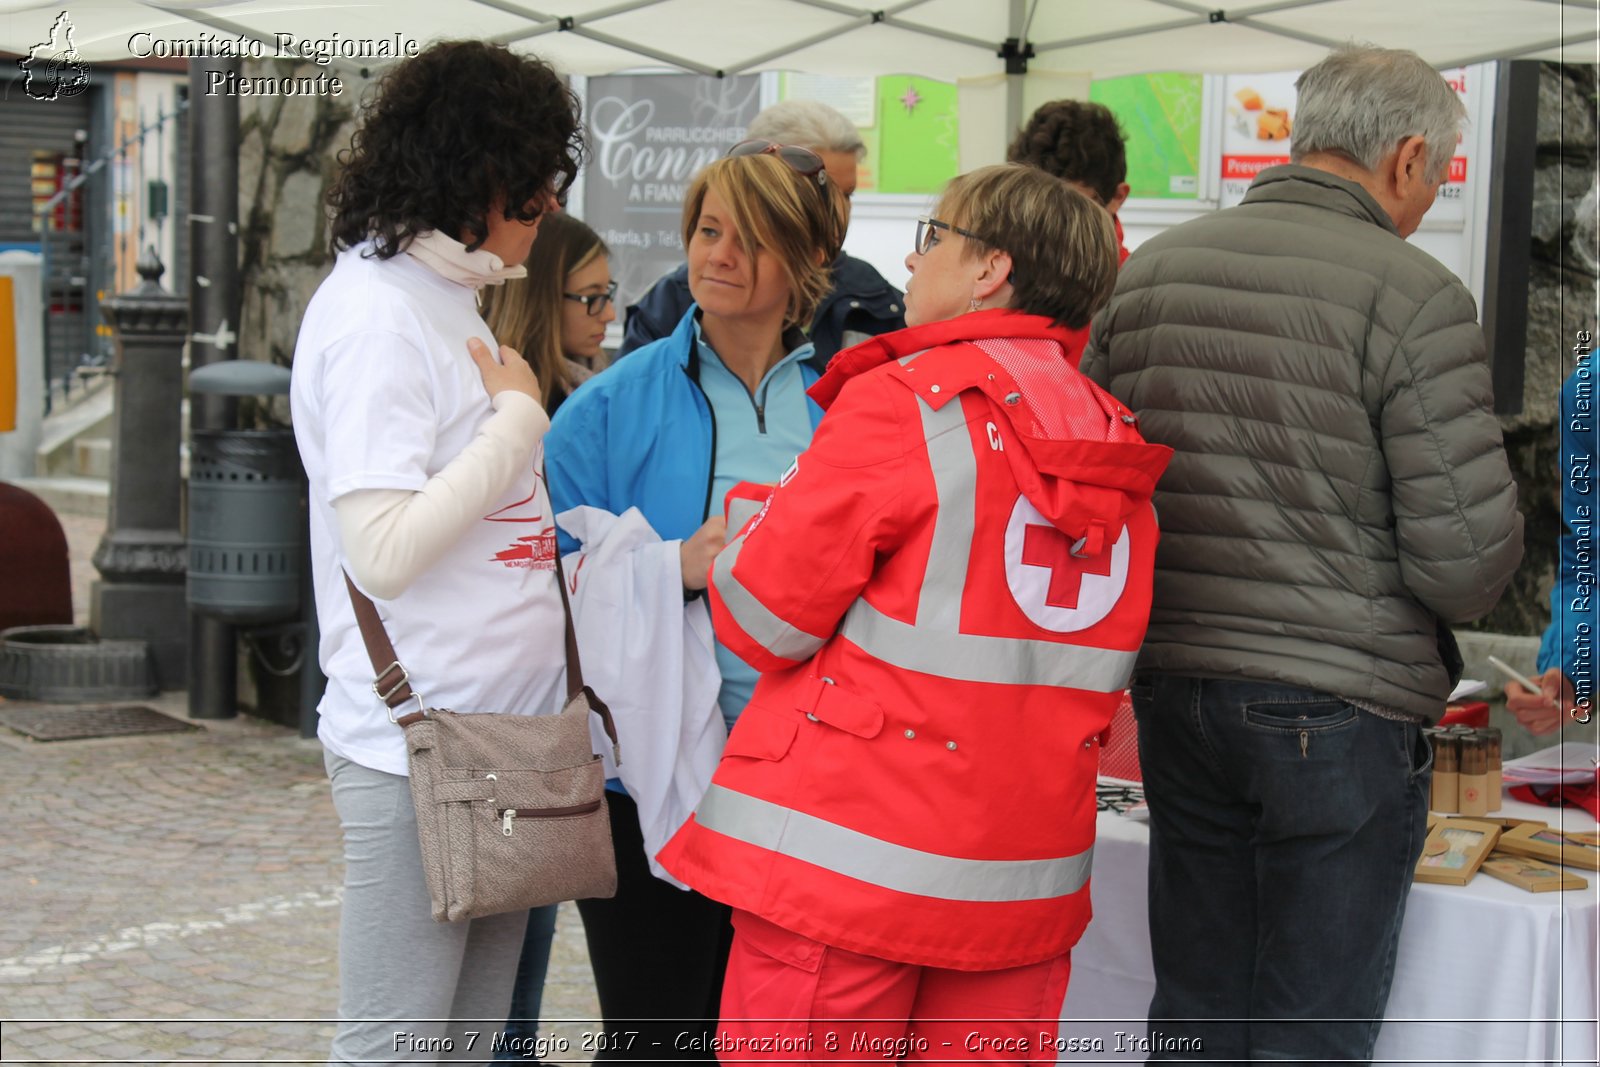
point(507, 817)
point(1305, 740)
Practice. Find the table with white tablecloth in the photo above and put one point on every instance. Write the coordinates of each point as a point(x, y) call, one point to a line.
point(1486, 972)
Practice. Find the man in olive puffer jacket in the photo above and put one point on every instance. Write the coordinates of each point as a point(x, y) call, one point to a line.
point(1339, 494)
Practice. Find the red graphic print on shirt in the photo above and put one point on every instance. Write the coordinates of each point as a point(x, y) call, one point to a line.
point(535, 551)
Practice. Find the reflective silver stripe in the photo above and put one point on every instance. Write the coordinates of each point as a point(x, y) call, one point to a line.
point(883, 863)
point(955, 479)
point(755, 618)
point(977, 658)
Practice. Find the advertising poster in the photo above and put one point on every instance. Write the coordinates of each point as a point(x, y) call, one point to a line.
point(1258, 117)
point(649, 134)
point(1453, 197)
point(918, 142)
point(1259, 121)
point(1160, 114)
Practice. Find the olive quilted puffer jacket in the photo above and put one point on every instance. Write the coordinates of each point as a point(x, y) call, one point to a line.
point(1340, 486)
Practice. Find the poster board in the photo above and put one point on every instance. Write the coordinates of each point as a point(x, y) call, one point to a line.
point(1258, 122)
point(648, 135)
point(1162, 116)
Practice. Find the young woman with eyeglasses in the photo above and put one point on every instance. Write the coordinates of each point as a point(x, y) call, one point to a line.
point(670, 430)
point(556, 316)
point(944, 597)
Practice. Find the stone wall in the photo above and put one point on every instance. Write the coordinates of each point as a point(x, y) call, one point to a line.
point(287, 157)
point(1561, 302)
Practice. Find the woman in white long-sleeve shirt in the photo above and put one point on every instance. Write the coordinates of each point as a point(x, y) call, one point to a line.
point(423, 451)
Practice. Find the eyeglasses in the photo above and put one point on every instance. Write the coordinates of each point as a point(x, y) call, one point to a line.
point(802, 161)
point(594, 303)
point(927, 233)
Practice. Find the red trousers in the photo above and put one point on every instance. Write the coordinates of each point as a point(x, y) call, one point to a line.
point(789, 998)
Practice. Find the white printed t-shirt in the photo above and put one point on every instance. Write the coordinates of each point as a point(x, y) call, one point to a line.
point(384, 395)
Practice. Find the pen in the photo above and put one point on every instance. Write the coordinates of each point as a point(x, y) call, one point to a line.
point(1515, 675)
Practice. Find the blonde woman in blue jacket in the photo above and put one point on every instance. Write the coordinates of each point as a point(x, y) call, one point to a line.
point(669, 430)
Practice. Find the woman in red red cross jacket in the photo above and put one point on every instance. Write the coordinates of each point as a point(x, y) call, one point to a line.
point(945, 596)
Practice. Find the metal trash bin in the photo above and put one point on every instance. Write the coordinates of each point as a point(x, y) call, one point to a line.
point(245, 516)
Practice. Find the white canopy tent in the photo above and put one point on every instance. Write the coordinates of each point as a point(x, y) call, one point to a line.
point(1006, 55)
point(947, 39)
point(1021, 51)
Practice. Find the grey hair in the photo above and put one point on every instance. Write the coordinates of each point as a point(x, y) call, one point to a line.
point(810, 124)
point(1362, 101)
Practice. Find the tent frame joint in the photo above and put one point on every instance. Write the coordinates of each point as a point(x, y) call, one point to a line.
point(1217, 16)
point(1016, 52)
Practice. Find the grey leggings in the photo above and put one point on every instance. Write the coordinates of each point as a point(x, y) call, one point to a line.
point(410, 989)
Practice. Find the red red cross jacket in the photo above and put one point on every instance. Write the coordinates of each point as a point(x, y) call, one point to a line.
point(945, 594)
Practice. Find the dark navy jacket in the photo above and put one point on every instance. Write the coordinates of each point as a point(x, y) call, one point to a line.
point(861, 301)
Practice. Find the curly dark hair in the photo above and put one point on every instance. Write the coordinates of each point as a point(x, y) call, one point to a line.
point(450, 131)
point(1077, 141)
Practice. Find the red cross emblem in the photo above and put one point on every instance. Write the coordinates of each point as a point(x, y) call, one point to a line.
point(1046, 546)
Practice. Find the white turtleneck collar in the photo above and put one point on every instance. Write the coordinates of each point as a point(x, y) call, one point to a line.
point(450, 259)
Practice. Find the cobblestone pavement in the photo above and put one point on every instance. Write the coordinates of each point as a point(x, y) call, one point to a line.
point(174, 898)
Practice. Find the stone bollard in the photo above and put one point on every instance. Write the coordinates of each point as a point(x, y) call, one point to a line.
point(143, 558)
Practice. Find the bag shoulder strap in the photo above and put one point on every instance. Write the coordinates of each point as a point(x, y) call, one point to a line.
point(392, 683)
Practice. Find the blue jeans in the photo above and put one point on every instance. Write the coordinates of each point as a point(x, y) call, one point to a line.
point(1284, 828)
point(522, 1029)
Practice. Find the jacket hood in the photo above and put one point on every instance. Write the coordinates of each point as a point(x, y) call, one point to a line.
point(1082, 460)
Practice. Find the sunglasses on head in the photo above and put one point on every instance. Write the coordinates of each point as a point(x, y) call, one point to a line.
point(593, 303)
point(802, 161)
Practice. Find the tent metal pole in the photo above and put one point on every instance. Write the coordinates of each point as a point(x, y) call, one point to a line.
point(1231, 15)
point(575, 25)
point(1279, 31)
point(1199, 13)
point(648, 53)
point(845, 9)
point(215, 300)
point(929, 31)
point(1117, 35)
point(889, 17)
point(790, 49)
point(1180, 5)
point(557, 23)
point(1015, 26)
point(859, 20)
point(1272, 8)
point(1489, 57)
point(520, 12)
point(553, 23)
